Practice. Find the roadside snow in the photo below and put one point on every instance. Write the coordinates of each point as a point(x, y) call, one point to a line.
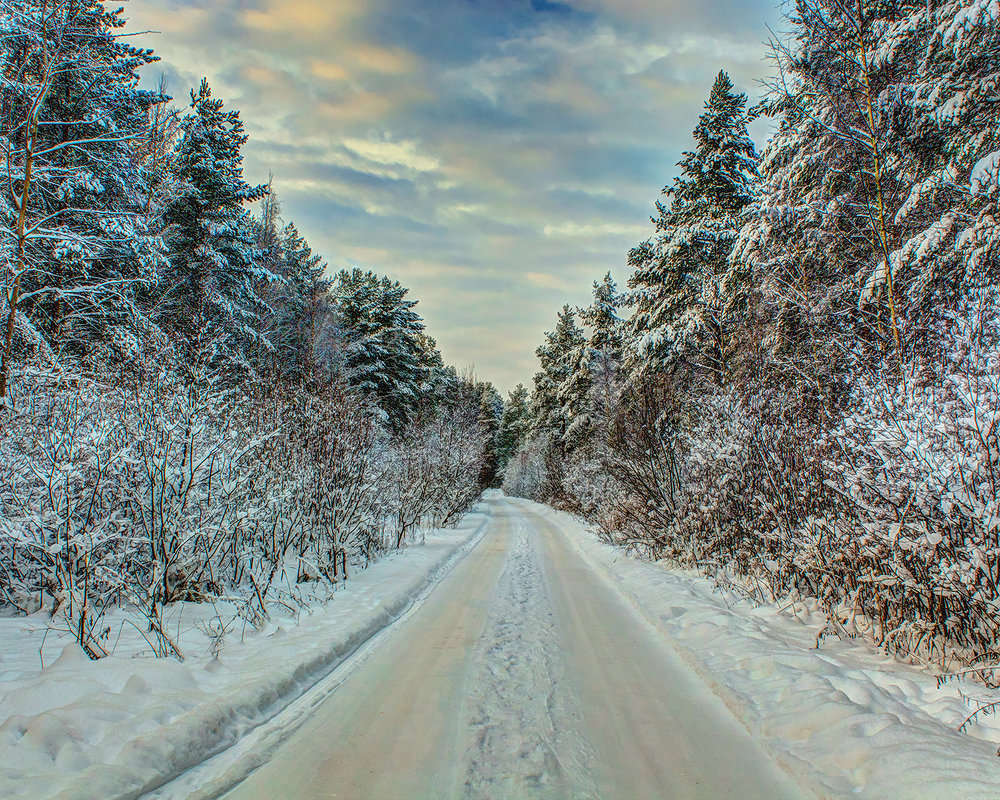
point(123, 726)
point(847, 719)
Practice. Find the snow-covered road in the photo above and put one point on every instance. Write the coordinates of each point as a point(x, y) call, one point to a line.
point(524, 674)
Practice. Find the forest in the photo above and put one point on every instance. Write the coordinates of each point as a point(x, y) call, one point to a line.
point(191, 406)
point(798, 391)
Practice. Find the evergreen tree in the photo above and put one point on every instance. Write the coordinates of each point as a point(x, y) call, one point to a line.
point(210, 287)
point(603, 319)
point(676, 284)
point(556, 356)
point(588, 393)
point(833, 180)
point(75, 246)
point(491, 407)
point(303, 305)
point(949, 245)
point(515, 422)
point(385, 353)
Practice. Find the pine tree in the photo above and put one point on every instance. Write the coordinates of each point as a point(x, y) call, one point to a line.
point(603, 319)
point(385, 356)
point(491, 408)
point(950, 217)
point(515, 422)
point(677, 280)
point(210, 287)
point(302, 307)
point(589, 392)
point(556, 356)
point(76, 249)
point(870, 221)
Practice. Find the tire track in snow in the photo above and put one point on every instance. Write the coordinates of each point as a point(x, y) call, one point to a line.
point(523, 726)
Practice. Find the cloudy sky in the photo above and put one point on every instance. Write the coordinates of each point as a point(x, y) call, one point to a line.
point(495, 156)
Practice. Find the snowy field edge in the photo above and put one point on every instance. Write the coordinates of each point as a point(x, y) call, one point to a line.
point(125, 726)
point(843, 720)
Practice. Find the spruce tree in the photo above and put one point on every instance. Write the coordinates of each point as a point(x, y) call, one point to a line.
point(556, 356)
point(588, 393)
point(302, 306)
point(210, 286)
point(384, 356)
point(515, 422)
point(677, 280)
point(603, 319)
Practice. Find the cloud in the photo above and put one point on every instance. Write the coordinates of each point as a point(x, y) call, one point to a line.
point(546, 281)
point(387, 152)
point(593, 230)
point(496, 156)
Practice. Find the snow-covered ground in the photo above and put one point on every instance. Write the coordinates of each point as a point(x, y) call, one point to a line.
point(848, 720)
point(523, 675)
point(124, 725)
point(518, 655)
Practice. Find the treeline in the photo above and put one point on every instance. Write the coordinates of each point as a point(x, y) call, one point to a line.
point(190, 408)
point(804, 398)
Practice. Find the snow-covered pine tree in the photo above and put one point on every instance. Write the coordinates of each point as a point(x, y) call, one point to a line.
point(603, 319)
point(677, 280)
point(515, 422)
point(491, 408)
point(302, 308)
point(556, 356)
point(441, 381)
point(949, 219)
point(214, 266)
point(590, 392)
point(73, 235)
point(835, 177)
point(384, 354)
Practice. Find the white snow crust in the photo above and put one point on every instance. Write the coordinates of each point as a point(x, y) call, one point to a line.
point(843, 718)
point(125, 725)
point(522, 717)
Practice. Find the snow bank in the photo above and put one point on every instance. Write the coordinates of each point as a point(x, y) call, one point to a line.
point(843, 718)
point(125, 725)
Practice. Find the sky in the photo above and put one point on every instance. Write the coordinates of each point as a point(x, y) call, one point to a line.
point(494, 156)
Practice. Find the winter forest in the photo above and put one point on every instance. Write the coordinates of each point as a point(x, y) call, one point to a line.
point(798, 392)
point(192, 407)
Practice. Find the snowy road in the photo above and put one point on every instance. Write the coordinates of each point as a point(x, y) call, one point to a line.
point(524, 674)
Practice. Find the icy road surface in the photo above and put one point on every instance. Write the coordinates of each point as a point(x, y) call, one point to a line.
point(524, 674)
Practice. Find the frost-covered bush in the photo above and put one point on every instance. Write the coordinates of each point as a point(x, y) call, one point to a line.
point(889, 516)
point(174, 486)
point(589, 485)
point(529, 471)
point(431, 474)
point(918, 472)
point(66, 463)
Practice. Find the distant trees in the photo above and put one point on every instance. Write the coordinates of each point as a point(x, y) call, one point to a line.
point(515, 421)
point(808, 402)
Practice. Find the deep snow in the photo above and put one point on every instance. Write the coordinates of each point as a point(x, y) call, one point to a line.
point(843, 718)
point(846, 719)
point(122, 726)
